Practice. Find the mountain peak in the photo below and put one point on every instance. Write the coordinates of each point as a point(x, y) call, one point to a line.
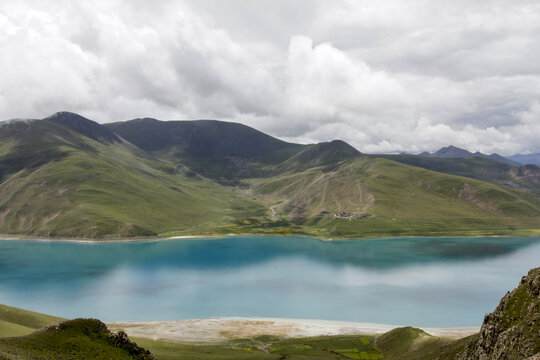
point(452, 151)
point(65, 115)
point(82, 125)
point(321, 154)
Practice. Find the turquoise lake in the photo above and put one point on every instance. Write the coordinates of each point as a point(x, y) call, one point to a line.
point(405, 281)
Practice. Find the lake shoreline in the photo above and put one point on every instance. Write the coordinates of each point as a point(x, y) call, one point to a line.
point(10, 237)
point(223, 329)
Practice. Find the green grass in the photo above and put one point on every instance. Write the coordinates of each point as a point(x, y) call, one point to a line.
point(73, 339)
point(400, 200)
point(18, 322)
point(475, 167)
point(323, 347)
point(111, 194)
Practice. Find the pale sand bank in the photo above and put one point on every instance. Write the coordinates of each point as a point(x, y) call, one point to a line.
point(216, 330)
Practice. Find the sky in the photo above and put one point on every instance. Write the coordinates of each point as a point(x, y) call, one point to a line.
point(386, 76)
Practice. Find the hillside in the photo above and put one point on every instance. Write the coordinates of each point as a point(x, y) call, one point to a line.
point(59, 182)
point(374, 196)
point(219, 150)
point(524, 177)
point(68, 176)
point(73, 339)
point(18, 322)
point(512, 331)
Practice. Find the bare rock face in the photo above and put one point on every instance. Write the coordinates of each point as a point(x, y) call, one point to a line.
point(512, 331)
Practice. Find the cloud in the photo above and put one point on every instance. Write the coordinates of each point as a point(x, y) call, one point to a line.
point(385, 76)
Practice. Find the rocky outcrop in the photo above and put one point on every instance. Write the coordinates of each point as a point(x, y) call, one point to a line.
point(512, 331)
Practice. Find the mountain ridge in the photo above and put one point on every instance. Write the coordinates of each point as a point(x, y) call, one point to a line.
point(452, 151)
point(69, 176)
point(526, 159)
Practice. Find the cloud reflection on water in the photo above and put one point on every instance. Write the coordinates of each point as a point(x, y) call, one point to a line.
point(427, 285)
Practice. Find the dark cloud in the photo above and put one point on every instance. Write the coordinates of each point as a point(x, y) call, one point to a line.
point(385, 76)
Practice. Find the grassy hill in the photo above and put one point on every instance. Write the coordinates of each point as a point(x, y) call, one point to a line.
point(222, 151)
point(67, 176)
point(526, 177)
point(18, 322)
point(58, 182)
point(374, 196)
point(73, 339)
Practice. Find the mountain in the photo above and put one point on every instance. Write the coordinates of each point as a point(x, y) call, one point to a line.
point(375, 196)
point(83, 126)
point(524, 177)
point(328, 154)
point(68, 176)
point(222, 151)
point(79, 180)
point(455, 152)
point(451, 152)
point(530, 159)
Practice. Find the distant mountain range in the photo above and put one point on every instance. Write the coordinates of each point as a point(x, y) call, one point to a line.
point(66, 175)
point(451, 152)
point(533, 159)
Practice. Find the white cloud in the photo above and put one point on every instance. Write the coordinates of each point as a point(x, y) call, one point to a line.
point(385, 76)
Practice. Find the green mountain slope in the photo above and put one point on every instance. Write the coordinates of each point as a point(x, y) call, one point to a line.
point(374, 196)
point(526, 177)
point(327, 154)
point(222, 151)
point(19, 322)
point(69, 176)
point(73, 185)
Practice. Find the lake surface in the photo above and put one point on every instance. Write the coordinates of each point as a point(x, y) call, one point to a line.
point(404, 281)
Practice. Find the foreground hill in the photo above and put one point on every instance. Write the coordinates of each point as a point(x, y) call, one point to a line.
point(73, 339)
point(69, 176)
point(510, 332)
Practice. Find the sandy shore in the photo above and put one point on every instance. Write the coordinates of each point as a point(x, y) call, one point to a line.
point(215, 330)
